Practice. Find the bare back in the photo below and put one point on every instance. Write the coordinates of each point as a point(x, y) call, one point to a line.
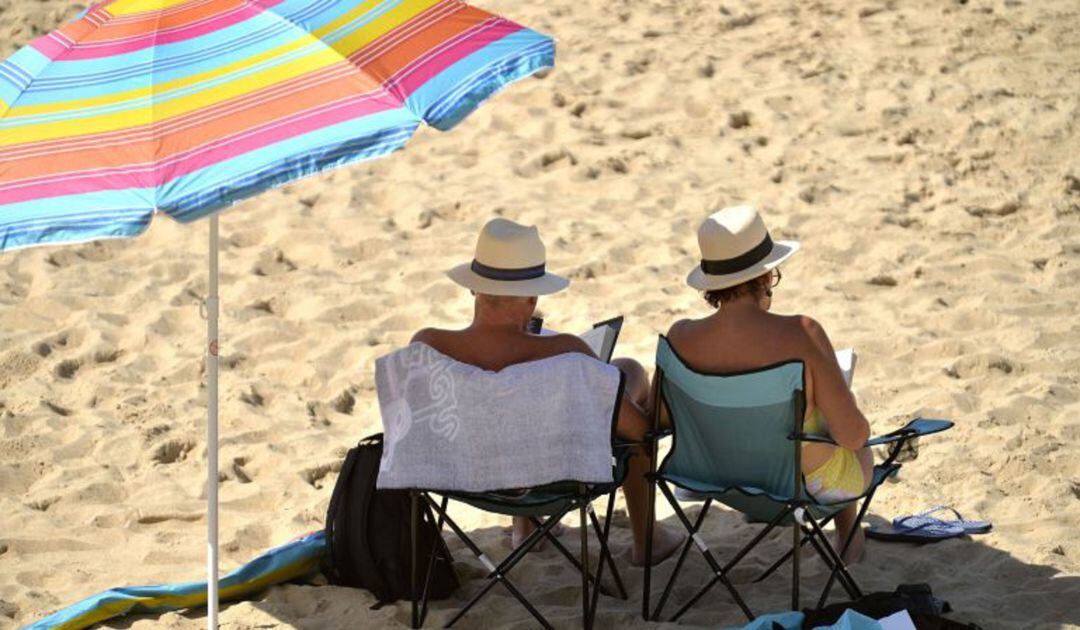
point(750, 338)
point(496, 348)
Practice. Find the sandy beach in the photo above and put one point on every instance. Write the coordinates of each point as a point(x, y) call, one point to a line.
point(926, 154)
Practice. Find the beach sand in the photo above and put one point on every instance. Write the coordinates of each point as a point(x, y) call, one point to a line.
point(924, 153)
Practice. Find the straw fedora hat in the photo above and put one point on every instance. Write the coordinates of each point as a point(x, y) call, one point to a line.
point(510, 260)
point(736, 247)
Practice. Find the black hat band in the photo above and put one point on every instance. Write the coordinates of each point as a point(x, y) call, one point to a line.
point(512, 275)
point(739, 263)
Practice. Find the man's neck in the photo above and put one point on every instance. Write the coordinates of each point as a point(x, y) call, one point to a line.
point(493, 321)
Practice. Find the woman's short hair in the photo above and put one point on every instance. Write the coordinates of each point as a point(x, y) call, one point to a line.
point(755, 287)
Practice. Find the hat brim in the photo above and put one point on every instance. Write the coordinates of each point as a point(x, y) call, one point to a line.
point(781, 251)
point(544, 285)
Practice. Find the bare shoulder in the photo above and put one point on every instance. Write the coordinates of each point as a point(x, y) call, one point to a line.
point(563, 344)
point(434, 337)
point(680, 328)
point(812, 332)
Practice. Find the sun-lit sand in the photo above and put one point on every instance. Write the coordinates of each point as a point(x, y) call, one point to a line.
point(925, 153)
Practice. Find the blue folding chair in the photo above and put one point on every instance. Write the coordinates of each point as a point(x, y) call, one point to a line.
point(736, 439)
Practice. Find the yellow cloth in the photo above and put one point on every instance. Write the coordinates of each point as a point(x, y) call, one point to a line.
point(841, 476)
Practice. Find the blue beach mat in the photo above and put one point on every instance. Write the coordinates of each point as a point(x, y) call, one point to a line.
point(290, 561)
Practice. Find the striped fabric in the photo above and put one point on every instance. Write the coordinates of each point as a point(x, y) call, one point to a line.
point(187, 106)
point(292, 561)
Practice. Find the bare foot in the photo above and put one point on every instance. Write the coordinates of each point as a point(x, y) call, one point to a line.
point(665, 542)
point(856, 551)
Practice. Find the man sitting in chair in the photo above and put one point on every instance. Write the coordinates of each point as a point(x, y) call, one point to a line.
point(506, 276)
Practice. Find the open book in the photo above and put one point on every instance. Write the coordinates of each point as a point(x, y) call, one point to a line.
point(847, 358)
point(600, 338)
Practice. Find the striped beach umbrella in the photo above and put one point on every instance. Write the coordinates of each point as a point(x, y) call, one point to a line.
point(184, 107)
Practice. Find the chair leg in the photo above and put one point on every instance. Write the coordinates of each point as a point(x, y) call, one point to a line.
point(837, 563)
point(437, 550)
point(718, 571)
point(414, 516)
point(650, 521)
point(731, 565)
point(820, 546)
point(497, 573)
point(847, 542)
point(604, 549)
point(605, 556)
point(784, 558)
point(561, 548)
point(796, 545)
point(584, 565)
point(682, 558)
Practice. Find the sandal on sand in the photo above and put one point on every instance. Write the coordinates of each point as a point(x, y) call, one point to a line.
point(969, 527)
point(932, 530)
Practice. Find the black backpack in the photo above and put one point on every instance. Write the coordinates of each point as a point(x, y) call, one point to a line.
point(368, 539)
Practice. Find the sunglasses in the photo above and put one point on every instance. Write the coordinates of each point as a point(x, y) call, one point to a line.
point(775, 280)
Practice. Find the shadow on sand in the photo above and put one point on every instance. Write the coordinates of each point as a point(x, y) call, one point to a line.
point(983, 584)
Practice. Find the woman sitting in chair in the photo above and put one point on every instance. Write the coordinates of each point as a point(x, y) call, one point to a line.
point(740, 267)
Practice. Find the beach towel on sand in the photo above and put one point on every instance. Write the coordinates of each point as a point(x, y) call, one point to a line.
point(453, 426)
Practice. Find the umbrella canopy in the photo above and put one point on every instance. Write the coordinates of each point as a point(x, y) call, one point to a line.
point(188, 106)
point(185, 107)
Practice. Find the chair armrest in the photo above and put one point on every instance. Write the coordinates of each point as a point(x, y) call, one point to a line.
point(807, 437)
point(915, 428)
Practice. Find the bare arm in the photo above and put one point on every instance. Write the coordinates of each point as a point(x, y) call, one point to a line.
point(848, 426)
point(633, 423)
point(422, 336)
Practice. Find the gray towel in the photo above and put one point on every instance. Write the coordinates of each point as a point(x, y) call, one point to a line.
point(453, 426)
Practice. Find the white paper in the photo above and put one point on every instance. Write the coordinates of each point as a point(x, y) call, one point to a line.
point(847, 359)
point(897, 621)
point(601, 340)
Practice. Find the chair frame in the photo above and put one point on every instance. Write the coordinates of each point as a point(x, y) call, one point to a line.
point(562, 504)
point(806, 529)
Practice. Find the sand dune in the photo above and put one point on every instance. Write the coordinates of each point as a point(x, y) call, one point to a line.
point(925, 153)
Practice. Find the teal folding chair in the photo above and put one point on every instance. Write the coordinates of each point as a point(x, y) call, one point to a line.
point(545, 506)
point(736, 439)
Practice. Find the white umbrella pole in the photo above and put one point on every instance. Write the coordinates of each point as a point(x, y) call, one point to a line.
point(212, 433)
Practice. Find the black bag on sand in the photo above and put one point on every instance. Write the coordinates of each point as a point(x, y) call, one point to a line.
point(368, 539)
point(925, 609)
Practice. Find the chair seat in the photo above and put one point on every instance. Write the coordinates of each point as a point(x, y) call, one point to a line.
point(762, 506)
point(544, 500)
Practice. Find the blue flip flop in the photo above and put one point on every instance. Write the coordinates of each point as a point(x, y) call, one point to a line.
point(969, 527)
point(932, 530)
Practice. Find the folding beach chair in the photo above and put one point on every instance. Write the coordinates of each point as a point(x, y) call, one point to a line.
point(736, 439)
point(544, 506)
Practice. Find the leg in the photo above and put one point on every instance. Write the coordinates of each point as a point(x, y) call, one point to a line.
point(633, 426)
point(665, 541)
point(847, 520)
point(637, 381)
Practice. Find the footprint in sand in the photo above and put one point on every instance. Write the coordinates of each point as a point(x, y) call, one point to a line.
point(254, 397)
point(272, 263)
point(346, 401)
point(315, 475)
point(172, 451)
point(67, 368)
